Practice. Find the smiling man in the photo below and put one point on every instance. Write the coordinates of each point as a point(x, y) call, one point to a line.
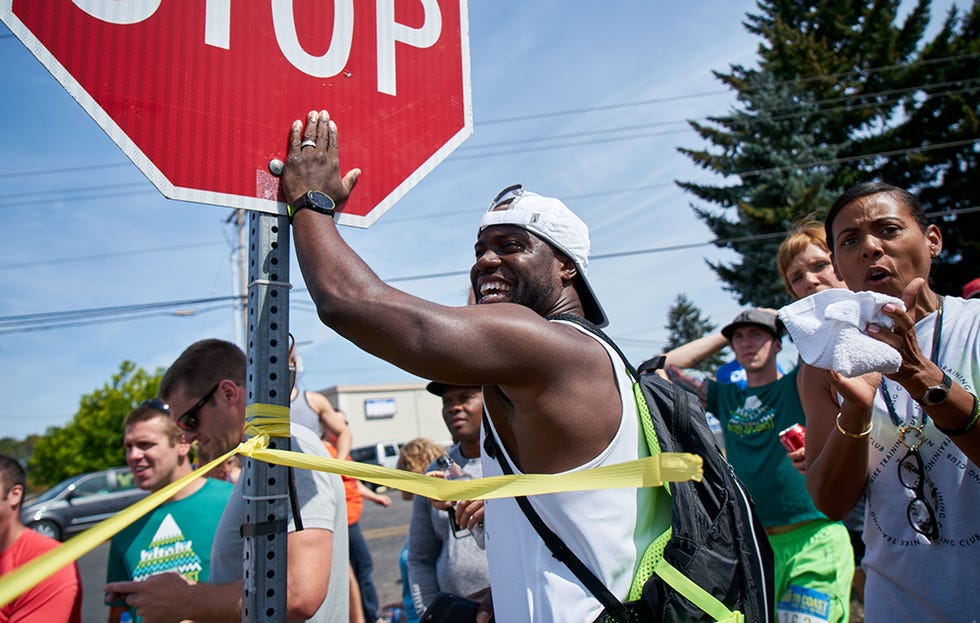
point(175, 536)
point(558, 399)
point(205, 388)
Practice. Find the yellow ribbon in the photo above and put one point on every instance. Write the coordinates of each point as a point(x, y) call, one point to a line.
point(264, 421)
point(21, 579)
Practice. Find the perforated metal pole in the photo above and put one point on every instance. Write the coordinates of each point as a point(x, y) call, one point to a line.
point(267, 382)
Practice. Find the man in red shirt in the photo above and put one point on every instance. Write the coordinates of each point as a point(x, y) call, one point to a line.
point(57, 598)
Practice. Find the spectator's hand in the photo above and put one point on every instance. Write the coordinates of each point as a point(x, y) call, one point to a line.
point(902, 336)
point(469, 513)
point(315, 167)
point(382, 500)
point(158, 599)
point(439, 505)
point(798, 457)
point(858, 391)
point(485, 612)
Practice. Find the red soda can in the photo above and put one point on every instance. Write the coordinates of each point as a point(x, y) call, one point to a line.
point(793, 437)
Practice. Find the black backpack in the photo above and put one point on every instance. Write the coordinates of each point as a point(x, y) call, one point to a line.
point(716, 551)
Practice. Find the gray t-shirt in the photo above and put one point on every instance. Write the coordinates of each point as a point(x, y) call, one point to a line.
point(437, 560)
point(322, 505)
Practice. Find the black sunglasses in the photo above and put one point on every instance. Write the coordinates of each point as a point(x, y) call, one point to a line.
point(156, 404)
point(920, 512)
point(189, 421)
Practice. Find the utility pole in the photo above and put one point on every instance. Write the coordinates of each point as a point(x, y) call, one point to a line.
point(266, 382)
point(239, 276)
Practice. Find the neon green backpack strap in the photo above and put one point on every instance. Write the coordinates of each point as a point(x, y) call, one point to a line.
point(652, 561)
point(696, 595)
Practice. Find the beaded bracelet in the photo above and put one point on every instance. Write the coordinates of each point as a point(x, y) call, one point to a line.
point(962, 430)
point(851, 435)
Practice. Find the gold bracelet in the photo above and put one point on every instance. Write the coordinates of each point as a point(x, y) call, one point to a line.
point(851, 435)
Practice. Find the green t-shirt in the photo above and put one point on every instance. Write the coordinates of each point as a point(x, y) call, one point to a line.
point(751, 419)
point(175, 536)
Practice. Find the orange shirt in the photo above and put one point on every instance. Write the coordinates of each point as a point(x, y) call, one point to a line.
point(57, 599)
point(355, 503)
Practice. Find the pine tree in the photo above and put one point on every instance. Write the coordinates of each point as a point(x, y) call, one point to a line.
point(942, 113)
point(843, 92)
point(685, 324)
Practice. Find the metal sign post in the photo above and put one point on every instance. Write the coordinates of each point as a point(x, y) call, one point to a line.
point(267, 382)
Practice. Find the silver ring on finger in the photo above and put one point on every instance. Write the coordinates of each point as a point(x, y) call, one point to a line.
point(307, 143)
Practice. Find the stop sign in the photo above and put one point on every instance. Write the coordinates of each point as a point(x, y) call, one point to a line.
point(200, 94)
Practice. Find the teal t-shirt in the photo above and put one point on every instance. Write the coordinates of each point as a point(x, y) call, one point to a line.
point(751, 419)
point(175, 536)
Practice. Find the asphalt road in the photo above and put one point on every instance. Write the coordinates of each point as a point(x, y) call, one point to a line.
point(384, 528)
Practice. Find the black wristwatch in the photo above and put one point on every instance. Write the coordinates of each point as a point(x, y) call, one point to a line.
point(314, 200)
point(937, 394)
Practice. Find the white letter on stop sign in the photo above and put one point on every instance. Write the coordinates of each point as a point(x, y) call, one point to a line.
point(334, 59)
point(119, 11)
point(390, 31)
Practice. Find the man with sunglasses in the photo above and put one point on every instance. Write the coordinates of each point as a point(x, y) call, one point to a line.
point(177, 535)
point(205, 388)
point(557, 399)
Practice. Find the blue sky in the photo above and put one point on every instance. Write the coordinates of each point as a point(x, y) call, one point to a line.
point(612, 81)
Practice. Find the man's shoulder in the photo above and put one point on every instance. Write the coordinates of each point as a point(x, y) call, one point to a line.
point(36, 543)
point(213, 489)
point(306, 441)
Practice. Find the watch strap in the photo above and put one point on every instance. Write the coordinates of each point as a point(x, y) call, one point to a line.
point(314, 200)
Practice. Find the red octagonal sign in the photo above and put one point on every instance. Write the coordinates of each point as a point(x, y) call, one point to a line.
point(200, 93)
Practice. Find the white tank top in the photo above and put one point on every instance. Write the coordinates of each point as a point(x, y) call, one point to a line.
point(600, 527)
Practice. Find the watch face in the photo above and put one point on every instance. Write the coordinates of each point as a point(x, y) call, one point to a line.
point(937, 393)
point(318, 202)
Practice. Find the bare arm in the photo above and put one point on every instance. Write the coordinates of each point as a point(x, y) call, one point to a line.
point(391, 324)
point(836, 465)
point(308, 572)
point(368, 494)
point(332, 423)
point(691, 354)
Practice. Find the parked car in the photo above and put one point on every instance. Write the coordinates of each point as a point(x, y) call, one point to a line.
point(384, 454)
point(80, 502)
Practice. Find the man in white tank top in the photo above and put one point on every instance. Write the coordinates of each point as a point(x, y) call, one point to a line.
point(555, 399)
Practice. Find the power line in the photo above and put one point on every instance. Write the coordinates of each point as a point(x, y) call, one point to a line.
point(585, 110)
point(790, 81)
point(81, 317)
point(100, 256)
point(600, 193)
point(793, 111)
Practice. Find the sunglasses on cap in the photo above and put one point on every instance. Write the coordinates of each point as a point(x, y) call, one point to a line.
point(189, 420)
point(156, 404)
point(506, 198)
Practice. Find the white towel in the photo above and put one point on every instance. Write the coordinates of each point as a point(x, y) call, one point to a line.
point(828, 330)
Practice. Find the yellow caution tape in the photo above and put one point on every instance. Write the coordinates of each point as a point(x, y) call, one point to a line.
point(23, 578)
point(264, 421)
point(651, 471)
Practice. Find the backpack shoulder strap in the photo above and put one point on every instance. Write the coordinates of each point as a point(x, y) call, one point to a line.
point(554, 543)
point(582, 322)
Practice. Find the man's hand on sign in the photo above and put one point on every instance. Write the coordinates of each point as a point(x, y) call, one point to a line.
point(313, 161)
